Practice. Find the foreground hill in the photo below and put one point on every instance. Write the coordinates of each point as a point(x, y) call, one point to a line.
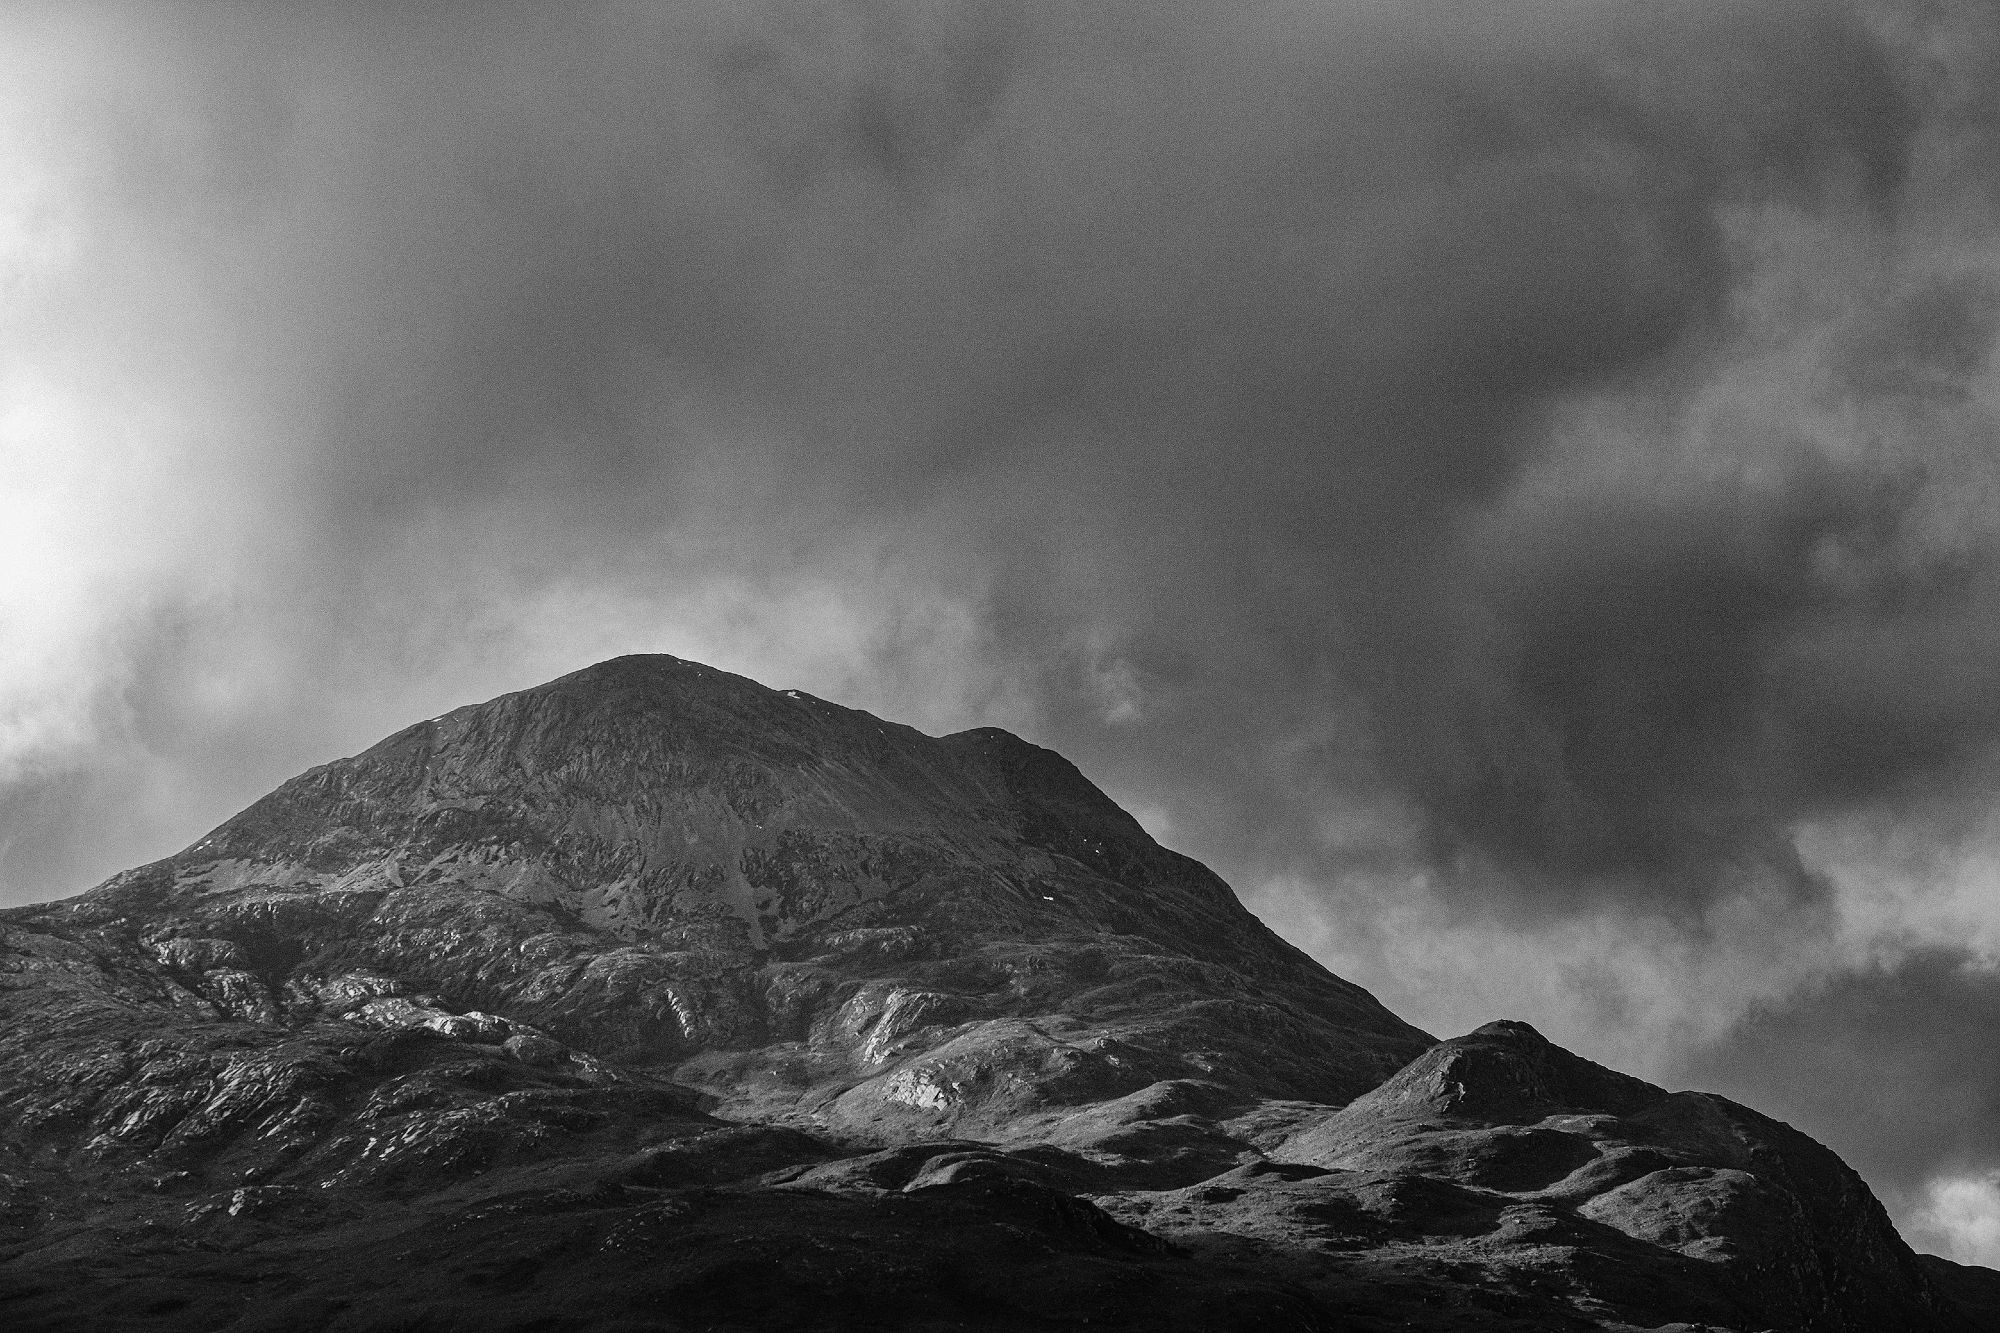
point(653, 998)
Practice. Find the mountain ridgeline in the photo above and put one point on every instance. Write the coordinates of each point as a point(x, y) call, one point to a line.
point(657, 999)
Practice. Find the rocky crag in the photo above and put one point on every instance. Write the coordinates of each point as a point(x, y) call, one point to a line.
point(655, 999)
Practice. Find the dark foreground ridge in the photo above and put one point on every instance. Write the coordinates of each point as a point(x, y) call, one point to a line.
point(656, 999)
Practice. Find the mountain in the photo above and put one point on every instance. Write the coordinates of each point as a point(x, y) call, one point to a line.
point(653, 998)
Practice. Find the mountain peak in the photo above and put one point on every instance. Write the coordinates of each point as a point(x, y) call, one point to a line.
point(1504, 1072)
point(722, 841)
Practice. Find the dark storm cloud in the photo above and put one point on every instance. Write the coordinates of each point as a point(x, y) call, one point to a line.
point(1671, 670)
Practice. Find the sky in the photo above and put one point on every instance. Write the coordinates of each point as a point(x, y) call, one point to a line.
point(1512, 487)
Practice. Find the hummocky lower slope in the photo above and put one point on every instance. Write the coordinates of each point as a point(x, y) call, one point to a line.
point(652, 998)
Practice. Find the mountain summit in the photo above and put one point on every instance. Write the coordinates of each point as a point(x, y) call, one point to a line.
point(656, 860)
point(654, 997)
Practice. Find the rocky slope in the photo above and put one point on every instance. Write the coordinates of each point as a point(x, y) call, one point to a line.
point(653, 998)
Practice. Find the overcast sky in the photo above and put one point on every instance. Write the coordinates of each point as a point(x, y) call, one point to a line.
point(1512, 486)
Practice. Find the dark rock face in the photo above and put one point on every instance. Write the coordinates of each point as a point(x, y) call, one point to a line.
point(655, 999)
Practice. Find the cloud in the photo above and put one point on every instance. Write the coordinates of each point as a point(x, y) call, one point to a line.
point(1960, 1219)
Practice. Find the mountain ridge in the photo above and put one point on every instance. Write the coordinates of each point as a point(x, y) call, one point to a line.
point(651, 967)
point(710, 826)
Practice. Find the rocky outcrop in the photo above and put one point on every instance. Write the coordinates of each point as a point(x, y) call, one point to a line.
point(653, 998)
